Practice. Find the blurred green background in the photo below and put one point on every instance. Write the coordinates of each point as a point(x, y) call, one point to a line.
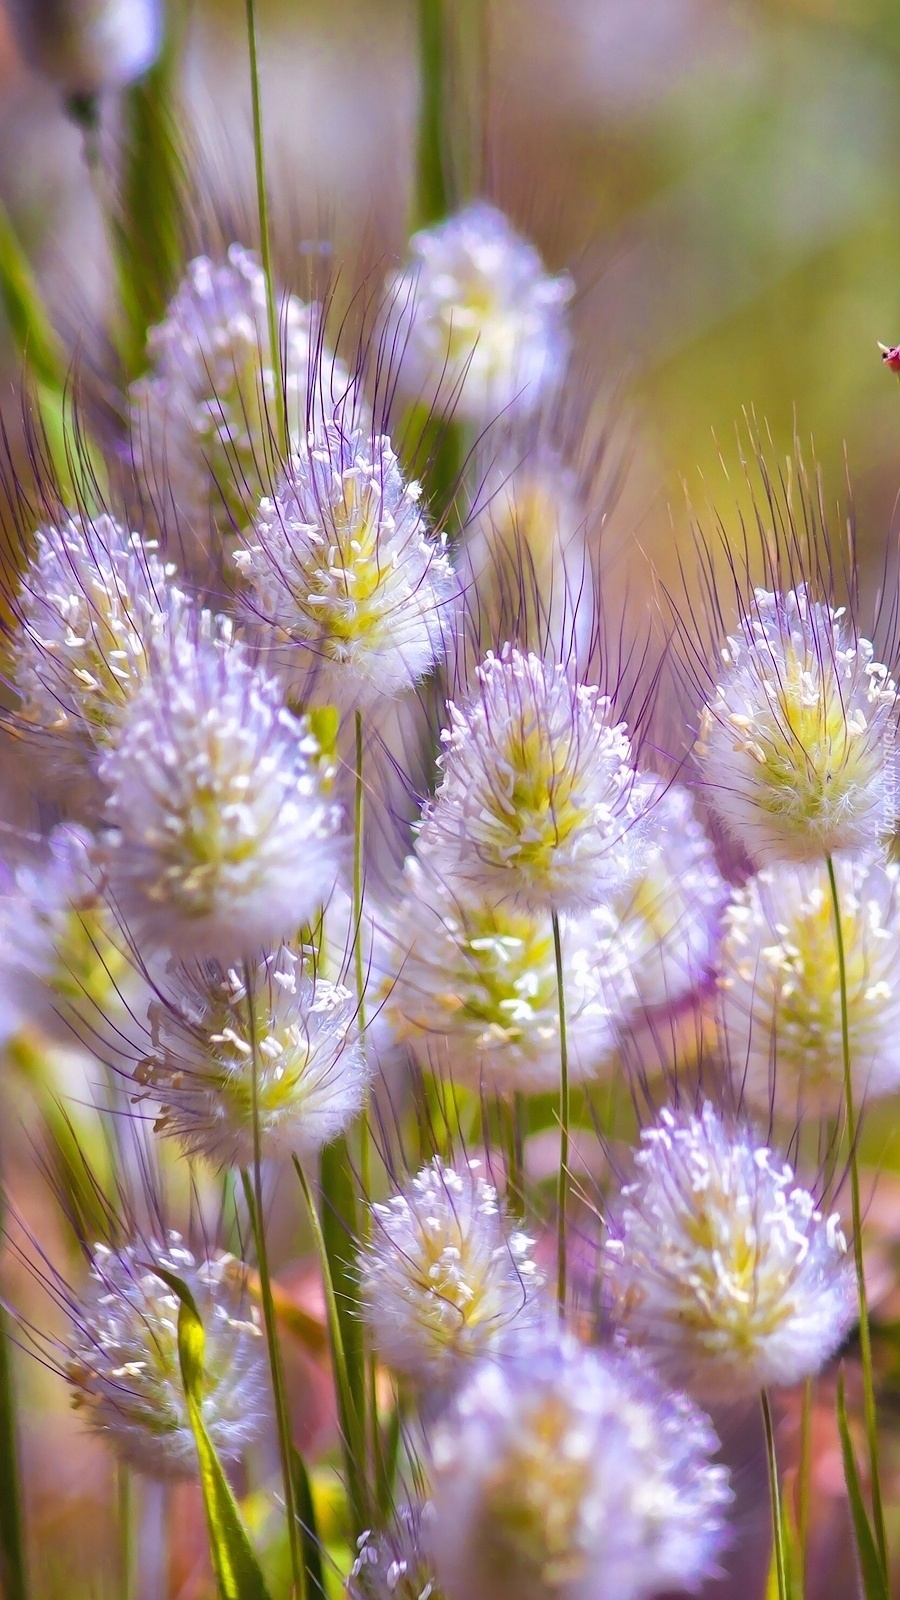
point(722, 177)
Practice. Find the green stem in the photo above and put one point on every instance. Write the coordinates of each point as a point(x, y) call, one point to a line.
point(13, 1580)
point(262, 200)
point(562, 1198)
point(775, 1495)
point(431, 201)
point(803, 1479)
point(254, 1199)
point(125, 1512)
point(352, 1432)
point(865, 1339)
point(512, 1118)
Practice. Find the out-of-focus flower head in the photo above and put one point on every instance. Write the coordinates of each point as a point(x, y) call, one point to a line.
point(123, 1366)
point(780, 986)
point(474, 988)
point(572, 1475)
point(444, 1281)
point(87, 46)
point(536, 805)
point(345, 578)
point(796, 741)
point(203, 419)
point(288, 1053)
point(525, 562)
point(669, 917)
point(721, 1264)
point(223, 839)
point(475, 321)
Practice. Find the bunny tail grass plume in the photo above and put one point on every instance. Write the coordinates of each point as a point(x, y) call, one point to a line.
point(202, 419)
point(286, 1059)
point(780, 993)
point(669, 917)
point(474, 991)
point(344, 577)
point(87, 46)
point(573, 1475)
point(444, 1280)
point(223, 839)
point(93, 601)
point(721, 1265)
point(796, 742)
point(123, 1365)
point(478, 324)
point(536, 801)
point(394, 1563)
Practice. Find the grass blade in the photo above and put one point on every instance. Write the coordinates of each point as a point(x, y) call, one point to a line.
point(306, 1515)
point(238, 1574)
point(874, 1582)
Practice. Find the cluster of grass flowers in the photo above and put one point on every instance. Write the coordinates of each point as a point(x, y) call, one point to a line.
point(538, 1065)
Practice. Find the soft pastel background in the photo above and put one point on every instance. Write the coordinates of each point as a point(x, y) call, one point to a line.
point(723, 180)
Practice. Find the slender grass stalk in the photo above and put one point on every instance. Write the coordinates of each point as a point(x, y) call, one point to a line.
point(125, 1514)
point(13, 1579)
point(254, 1199)
point(781, 1571)
point(265, 242)
point(431, 199)
point(352, 1425)
point(512, 1119)
point(865, 1339)
point(803, 1479)
point(562, 1198)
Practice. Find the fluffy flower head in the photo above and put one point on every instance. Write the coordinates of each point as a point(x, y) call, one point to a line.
point(343, 571)
point(721, 1264)
point(474, 989)
point(668, 918)
point(203, 418)
point(223, 839)
point(94, 600)
point(573, 1476)
point(292, 1046)
point(535, 806)
point(123, 1364)
point(780, 985)
point(477, 322)
point(395, 1564)
point(796, 744)
point(444, 1282)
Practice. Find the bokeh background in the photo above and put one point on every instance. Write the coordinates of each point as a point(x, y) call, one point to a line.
point(722, 178)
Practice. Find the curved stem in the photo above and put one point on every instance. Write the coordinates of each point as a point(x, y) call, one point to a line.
point(775, 1495)
point(865, 1338)
point(254, 1198)
point(562, 1197)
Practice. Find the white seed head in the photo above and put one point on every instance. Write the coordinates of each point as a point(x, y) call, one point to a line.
point(535, 806)
point(394, 1564)
point(292, 1051)
point(87, 46)
point(780, 992)
point(93, 602)
point(573, 1476)
point(669, 917)
point(474, 988)
point(123, 1364)
point(203, 420)
point(796, 743)
point(444, 1282)
point(223, 838)
point(344, 575)
point(475, 321)
point(720, 1263)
